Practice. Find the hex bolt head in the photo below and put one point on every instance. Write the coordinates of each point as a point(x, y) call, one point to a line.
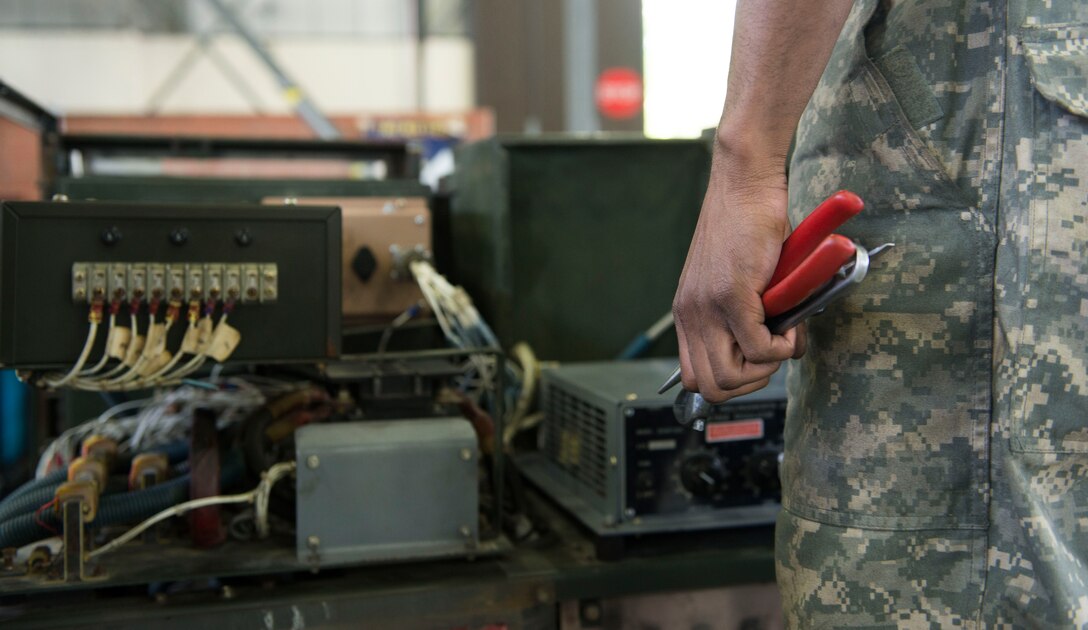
point(179, 236)
point(313, 461)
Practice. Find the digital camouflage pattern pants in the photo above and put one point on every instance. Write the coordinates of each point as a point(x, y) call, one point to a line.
point(936, 467)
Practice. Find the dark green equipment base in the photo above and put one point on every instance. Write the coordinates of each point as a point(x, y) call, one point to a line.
point(520, 588)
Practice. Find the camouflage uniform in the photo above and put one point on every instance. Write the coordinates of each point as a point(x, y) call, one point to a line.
point(937, 442)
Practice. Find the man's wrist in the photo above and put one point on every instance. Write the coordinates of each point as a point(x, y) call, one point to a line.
point(751, 150)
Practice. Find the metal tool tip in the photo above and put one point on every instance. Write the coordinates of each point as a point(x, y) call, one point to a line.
point(670, 382)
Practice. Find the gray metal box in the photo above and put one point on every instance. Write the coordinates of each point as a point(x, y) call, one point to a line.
point(613, 455)
point(385, 491)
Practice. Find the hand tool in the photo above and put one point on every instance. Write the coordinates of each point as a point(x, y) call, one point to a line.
point(814, 269)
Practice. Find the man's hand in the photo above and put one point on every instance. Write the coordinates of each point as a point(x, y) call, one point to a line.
point(780, 48)
point(725, 350)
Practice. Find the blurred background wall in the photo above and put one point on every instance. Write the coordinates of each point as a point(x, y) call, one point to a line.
point(536, 64)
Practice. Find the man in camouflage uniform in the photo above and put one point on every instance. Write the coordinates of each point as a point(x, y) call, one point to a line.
point(937, 438)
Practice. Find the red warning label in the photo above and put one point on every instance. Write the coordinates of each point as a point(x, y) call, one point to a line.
point(735, 430)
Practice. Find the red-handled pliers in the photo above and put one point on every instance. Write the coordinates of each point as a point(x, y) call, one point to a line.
point(814, 268)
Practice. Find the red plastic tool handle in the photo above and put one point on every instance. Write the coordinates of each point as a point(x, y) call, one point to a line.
point(820, 266)
point(810, 233)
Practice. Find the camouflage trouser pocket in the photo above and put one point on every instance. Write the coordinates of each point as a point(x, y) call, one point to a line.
point(889, 411)
point(1043, 378)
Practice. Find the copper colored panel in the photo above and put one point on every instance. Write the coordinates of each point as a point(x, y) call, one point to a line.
point(377, 223)
point(20, 162)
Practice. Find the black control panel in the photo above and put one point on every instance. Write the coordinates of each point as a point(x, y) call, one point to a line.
point(672, 469)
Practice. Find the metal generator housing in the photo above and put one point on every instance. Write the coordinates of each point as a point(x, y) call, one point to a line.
point(612, 454)
point(387, 491)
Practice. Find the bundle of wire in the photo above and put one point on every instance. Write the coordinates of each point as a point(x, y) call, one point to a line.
point(23, 525)
point(163, 418)
point(461, 323)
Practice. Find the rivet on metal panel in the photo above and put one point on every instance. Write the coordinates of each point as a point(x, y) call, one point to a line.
point(313, 461)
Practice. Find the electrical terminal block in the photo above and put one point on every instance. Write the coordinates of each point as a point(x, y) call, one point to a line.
point(137, 282)
point(117, 283)
point(175, 283)
point(253, 283)
point(80, 271)
point(269, 282)
point(213, 281)
point(156, 281)
point(232, 282)
point(96, 283)
point(194, 282)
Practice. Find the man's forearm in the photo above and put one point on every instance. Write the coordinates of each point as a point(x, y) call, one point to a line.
point(780, 49)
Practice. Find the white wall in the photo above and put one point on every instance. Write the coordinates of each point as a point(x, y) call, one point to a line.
point(686, 45)
point(117, 72)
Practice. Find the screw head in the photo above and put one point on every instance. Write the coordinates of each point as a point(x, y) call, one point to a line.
point(465, 530)
point(466, 454)
point(419, 219)
point(313, 461)
point(313, 542)
point(111, 236)
point(179, 236)
point(614, 461)
point(629, 412)
point(699, 425)
point(243, 237)
point(60, 197)
point(629, 512)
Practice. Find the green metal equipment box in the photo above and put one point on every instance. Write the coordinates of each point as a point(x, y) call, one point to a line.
point(575, 244)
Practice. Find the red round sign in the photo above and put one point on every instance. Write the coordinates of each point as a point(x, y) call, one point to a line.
point(619, 93)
